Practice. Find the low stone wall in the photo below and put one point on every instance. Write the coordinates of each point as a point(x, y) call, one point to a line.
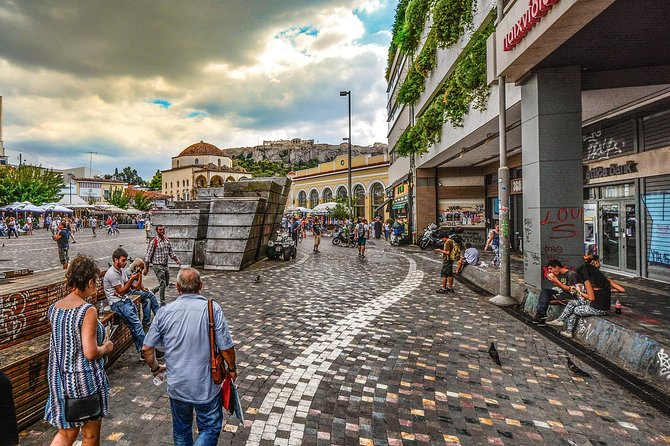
point(634, 352)
point(24, 338)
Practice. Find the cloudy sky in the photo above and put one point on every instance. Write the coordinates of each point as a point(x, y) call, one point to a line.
point(137, 81)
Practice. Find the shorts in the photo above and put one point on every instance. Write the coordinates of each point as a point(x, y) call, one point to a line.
point(317, 239)
point(361, 241)
point(62, 255)
point(447, 269)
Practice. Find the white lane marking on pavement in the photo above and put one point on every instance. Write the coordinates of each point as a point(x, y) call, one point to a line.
point(313, 363)
point(428, 258)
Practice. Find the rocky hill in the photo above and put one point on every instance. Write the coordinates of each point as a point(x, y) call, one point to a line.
point(301, 151)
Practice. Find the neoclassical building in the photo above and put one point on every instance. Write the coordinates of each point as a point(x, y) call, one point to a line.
point(199, 165)
point(325, 182)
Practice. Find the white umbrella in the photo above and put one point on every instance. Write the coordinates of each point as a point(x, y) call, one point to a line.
point(133, 211)
point(302, 209)
point(325, 207)
point(55, 207)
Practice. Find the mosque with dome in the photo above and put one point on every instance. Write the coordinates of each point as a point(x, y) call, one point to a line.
point(199, 165)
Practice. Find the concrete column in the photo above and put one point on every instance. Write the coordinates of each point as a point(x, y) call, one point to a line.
point(551, 134)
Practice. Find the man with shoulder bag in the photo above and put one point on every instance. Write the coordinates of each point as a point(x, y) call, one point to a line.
point(183, 328)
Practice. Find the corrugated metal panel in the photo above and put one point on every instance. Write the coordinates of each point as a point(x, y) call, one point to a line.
point(656, 202)
point(656, 131)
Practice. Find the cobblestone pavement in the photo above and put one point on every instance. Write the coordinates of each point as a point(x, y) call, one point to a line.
point(40, 253)
point(335, 349)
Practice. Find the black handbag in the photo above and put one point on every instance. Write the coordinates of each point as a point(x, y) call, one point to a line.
point(80, 409)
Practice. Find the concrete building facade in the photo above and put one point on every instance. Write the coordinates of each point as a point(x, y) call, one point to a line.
point(587, 87)
point(197, 166)
point(327, 181)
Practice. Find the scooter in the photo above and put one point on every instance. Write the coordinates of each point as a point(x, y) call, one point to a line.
point(338, 237)
point(431, 236)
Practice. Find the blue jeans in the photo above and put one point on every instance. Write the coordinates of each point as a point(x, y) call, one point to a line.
point(128, 313)
point(209, 417)
point(149, 304)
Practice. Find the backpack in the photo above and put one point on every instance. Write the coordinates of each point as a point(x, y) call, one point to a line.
point(361, 229)
point(455, 253)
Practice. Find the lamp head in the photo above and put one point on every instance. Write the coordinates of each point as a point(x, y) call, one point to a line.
point(344, 93)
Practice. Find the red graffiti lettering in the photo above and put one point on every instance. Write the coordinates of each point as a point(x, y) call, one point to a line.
point(567, 230)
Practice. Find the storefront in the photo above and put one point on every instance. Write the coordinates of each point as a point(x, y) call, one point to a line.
point(627, 194)
point(399, 207)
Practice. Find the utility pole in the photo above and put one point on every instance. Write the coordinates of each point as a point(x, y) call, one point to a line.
point(504, 298)
point(351, 210)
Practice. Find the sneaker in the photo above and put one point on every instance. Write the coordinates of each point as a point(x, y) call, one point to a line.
point(441, 291)
point(555, 323)
point(566, 333)
point(540, 321)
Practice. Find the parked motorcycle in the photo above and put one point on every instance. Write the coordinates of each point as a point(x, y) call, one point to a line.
point(339, 237)
point(431, 236)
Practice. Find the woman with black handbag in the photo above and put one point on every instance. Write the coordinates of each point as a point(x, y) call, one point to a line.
point(78, 388)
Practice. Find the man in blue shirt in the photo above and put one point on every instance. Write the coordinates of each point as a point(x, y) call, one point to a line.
point(182, 327)
point(62, 238)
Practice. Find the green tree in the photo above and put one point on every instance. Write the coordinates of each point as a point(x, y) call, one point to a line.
point(142, 201)
point(120, 199)
point(29, 183)
point(156, 182)
point(129, 175)
point(341, 210)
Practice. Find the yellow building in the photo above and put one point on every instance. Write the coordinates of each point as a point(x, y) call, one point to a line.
point(325, 182)
point(199, 165)
point(98, 190)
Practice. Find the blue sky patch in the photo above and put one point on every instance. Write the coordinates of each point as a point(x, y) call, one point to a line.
point(197, 114)
point(162, 103)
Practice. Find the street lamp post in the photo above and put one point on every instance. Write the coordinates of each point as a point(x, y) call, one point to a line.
point(348, 94)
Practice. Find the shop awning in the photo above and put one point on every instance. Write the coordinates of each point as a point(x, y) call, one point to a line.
point(383, 204)
point(399, 205)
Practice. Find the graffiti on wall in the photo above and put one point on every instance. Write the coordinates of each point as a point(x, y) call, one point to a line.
point(601, 148)
point(564, 222)
point(658, 207)
point(461, 213)
point(12, 314)
point(664, 362)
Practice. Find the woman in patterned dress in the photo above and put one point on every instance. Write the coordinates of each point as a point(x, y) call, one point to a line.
point(75, 355)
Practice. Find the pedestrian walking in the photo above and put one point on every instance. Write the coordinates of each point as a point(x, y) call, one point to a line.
point(494, 242)
point(387, 230)
point(76, 367)
point(94, 226)
point(317, 230)
point(361, 233)
point(62, 239)
point(158, 253)
point(11, 228)
point(378, 228)
point(147, 228)
point(182, 327)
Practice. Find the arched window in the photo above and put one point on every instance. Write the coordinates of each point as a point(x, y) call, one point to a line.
point(359, 196)
point(376, 199)
point(313, 199)
point(197, 161)
point(342, 192)
point(217, 181)
point(229, 179)
point(302, 199)
point(327, 195)
point(201, 181)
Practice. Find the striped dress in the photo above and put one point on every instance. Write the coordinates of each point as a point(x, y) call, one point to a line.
point(80, 376)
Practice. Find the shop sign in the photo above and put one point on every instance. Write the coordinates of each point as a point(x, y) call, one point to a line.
point(612, 170)
point(517, 185)
point(536, 10)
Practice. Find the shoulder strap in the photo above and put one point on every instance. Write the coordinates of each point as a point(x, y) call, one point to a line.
point(212, 352)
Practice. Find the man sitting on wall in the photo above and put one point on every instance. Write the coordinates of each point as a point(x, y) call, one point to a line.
point(565, 280)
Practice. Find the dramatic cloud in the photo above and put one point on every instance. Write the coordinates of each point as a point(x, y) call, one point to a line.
point(137, 81)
